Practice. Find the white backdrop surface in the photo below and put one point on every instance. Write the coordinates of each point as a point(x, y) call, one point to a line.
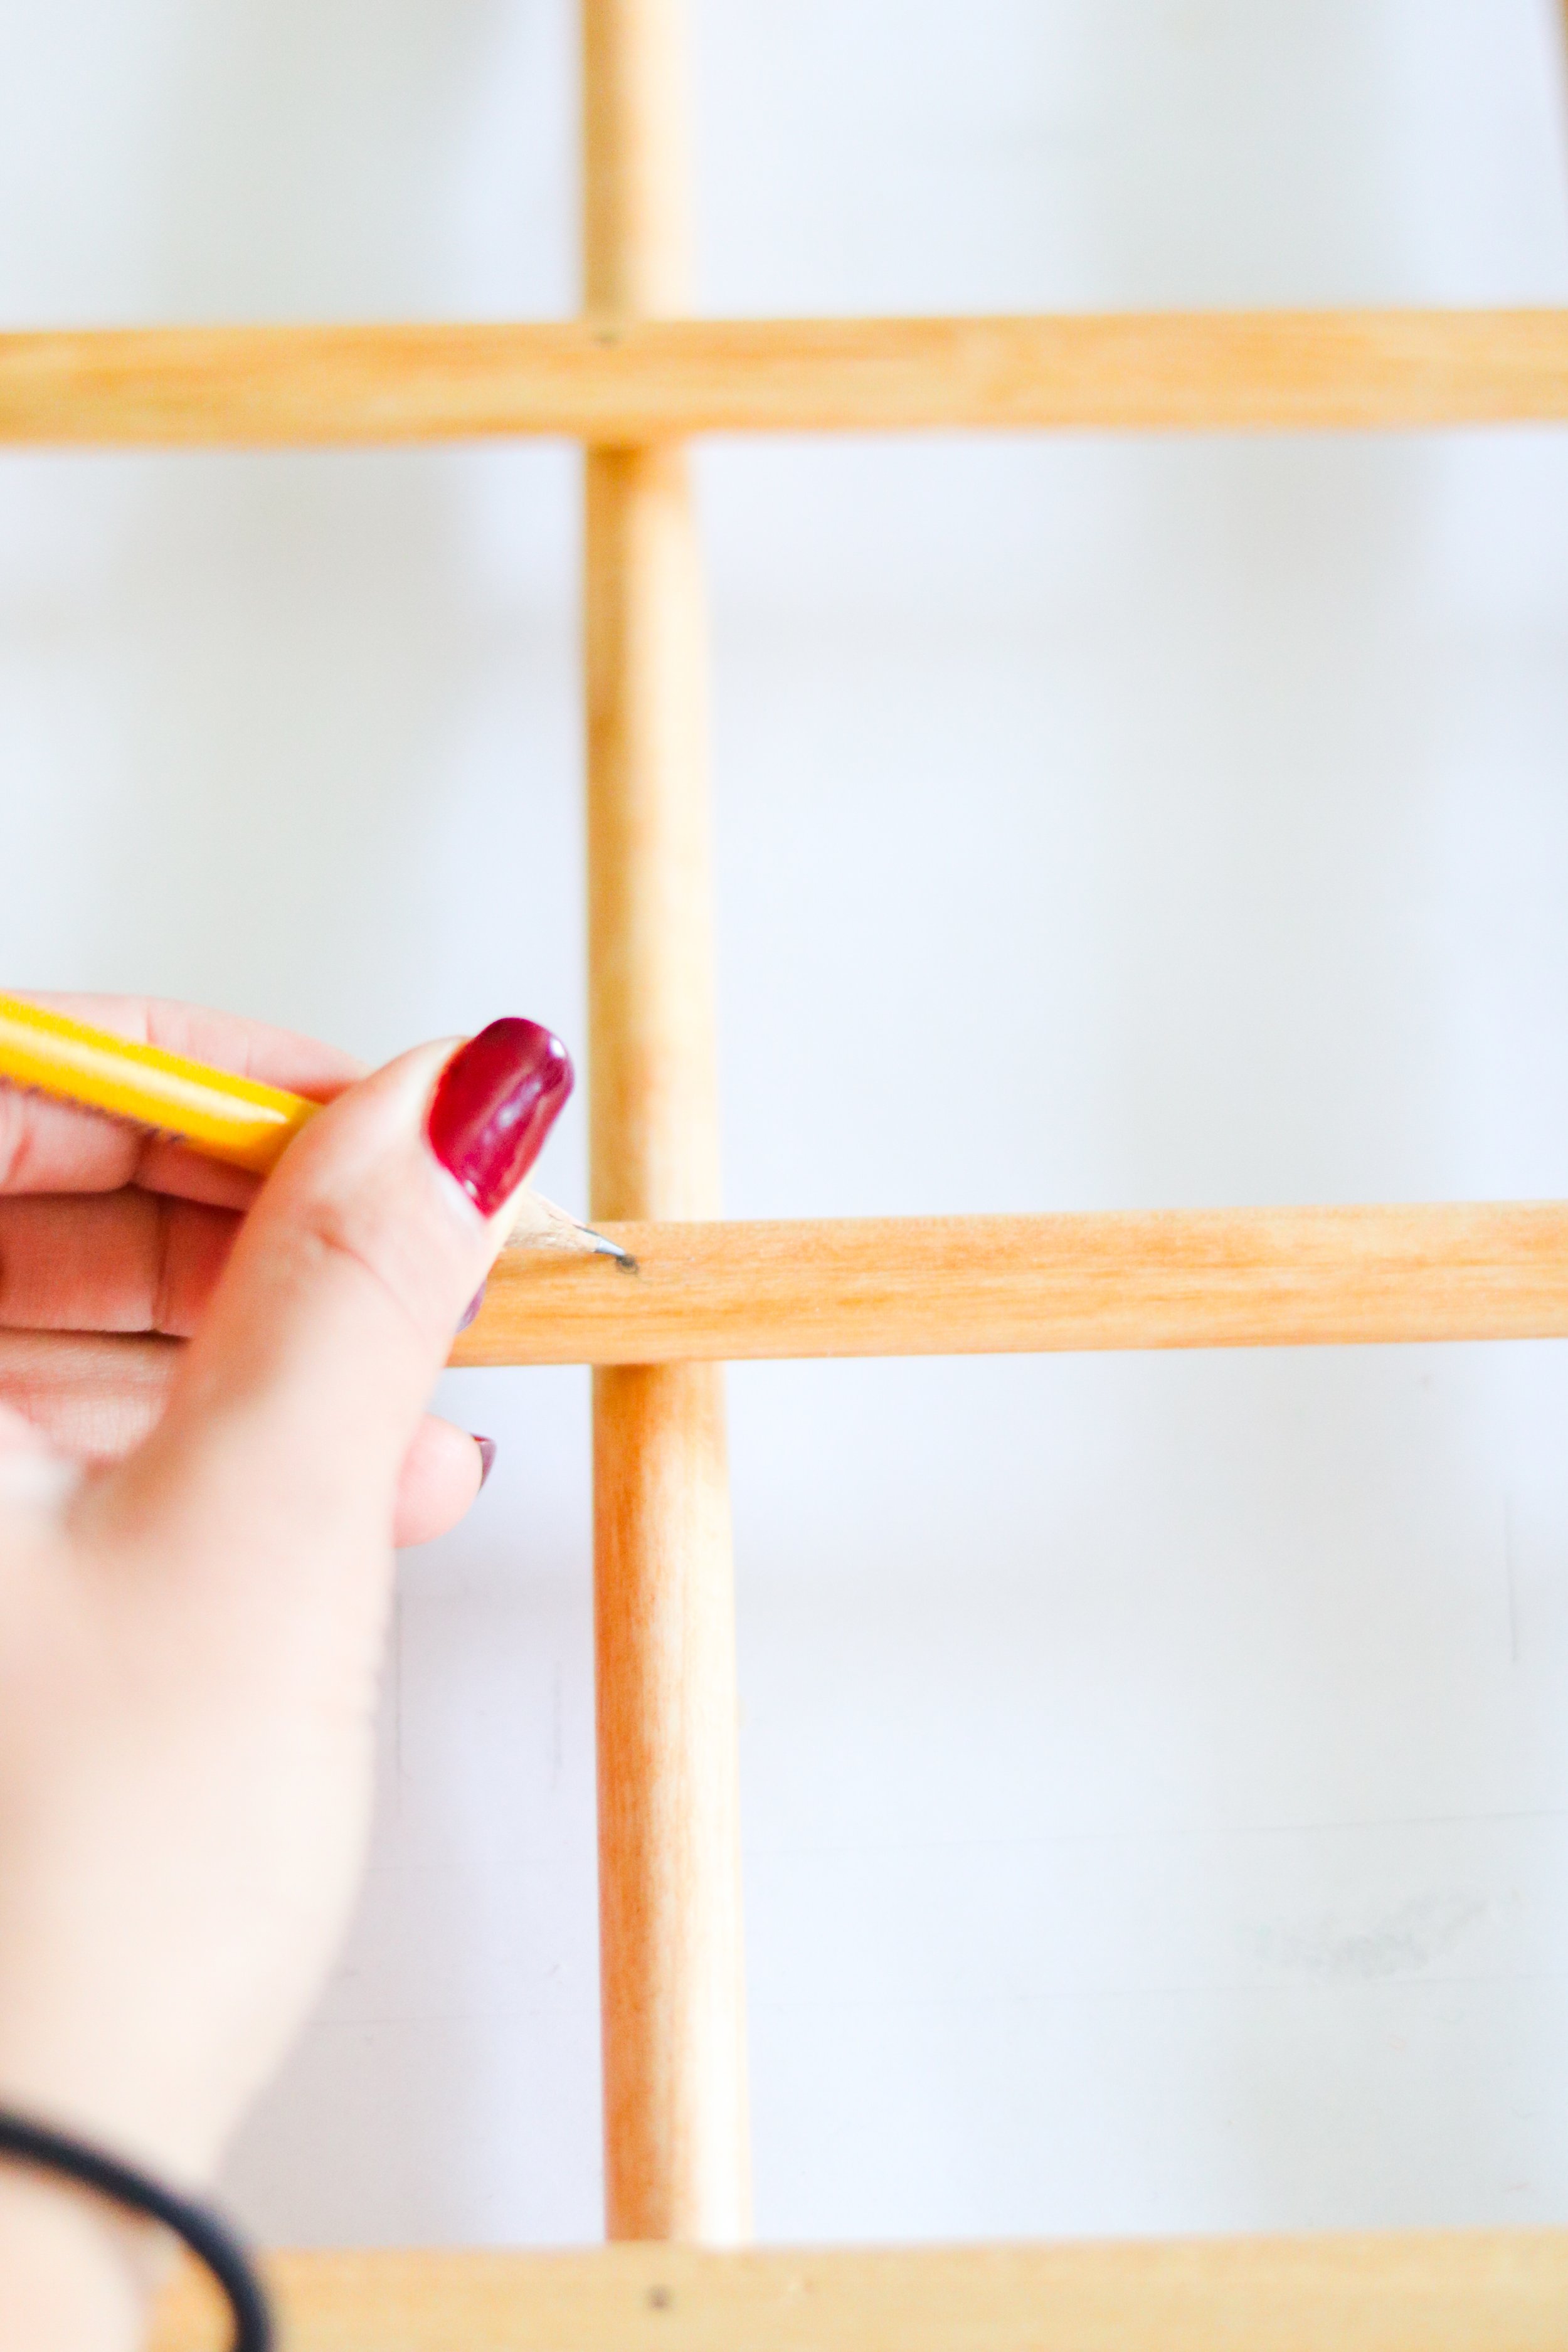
point(1155, 1769)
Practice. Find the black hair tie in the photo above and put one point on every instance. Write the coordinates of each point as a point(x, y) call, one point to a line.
point(212, 2242)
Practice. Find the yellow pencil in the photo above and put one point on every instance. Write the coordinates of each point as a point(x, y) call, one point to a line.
point(218, 1114)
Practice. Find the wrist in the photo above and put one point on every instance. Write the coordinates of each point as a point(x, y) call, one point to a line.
point(80, 2275)
point(75, 2072)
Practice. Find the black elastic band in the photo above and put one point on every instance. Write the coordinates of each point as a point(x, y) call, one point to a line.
point(208, 2238)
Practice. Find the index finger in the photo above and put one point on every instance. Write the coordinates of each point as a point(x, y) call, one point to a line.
point(55, 1147)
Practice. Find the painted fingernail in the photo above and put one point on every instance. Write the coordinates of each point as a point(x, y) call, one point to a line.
point(487, 1446)
point(495, 1102)
point(473, 1307)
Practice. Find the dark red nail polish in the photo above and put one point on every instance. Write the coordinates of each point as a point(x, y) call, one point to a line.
point(495, 1102)
point(473, 1307)
point(487, 1446)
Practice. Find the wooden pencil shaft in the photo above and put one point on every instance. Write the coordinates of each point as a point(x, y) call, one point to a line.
point(672, 1983)
point(985, 1286)
point(1431, 2290)
point(219, 1114)
point(618, 380)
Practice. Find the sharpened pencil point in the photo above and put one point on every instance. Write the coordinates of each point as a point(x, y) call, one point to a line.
point(608, 1248)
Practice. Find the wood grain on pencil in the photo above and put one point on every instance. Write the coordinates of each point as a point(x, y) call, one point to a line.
point(979, 1285)
point(637, 380)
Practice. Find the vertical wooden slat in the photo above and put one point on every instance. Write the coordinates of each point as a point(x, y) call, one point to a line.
point(674, 2032)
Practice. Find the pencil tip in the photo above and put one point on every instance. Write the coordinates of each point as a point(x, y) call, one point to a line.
point(608, 1248)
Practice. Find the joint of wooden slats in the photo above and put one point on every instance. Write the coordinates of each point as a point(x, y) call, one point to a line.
point(977, 1286)
point(618, 378)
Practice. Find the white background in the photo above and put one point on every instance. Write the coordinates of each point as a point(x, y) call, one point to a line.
point(1155, 1768)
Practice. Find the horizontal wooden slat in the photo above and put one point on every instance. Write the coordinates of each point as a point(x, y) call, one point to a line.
point(1447, 2292)
point(1198, 371)
point(997, 1286)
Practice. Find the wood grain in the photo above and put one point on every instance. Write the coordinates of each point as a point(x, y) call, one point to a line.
point(999, 1286)
point(622, 380)
point(1442, 2291)
point(671, 1971)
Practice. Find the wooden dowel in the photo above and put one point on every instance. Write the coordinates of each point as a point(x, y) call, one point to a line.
point(619, 381)
point(670, 1935)
point(1426, 2291)
point(1000, 1286)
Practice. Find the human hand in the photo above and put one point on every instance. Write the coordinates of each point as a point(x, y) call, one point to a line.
point(112, 1241)
point(193, 1590)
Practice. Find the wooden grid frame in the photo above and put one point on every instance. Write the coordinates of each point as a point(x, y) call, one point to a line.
point(630, 380)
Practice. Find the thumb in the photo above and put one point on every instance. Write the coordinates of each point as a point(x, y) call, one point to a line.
point(301, 1393)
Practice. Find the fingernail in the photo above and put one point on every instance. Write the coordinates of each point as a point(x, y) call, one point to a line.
point(495, 1102)
point(473, 1307)
point(487, 1446)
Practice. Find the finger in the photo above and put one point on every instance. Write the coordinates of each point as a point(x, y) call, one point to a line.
point(97, 1400)
point(302, 1389)
point(92, 1398)
point(443, 1470)
point(164, 1165)
point(126, 1261)
point(55, 1147)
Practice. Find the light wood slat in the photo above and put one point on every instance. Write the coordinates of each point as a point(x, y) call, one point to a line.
point(1442, 2291)
point(637, 380)
point(672, 1989)
point(998, 1286)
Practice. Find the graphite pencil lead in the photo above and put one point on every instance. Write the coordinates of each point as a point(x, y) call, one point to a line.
point(540, 1223)
point(608, 1248)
